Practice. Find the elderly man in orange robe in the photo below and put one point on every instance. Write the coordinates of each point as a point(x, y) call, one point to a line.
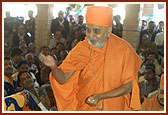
point(99, 73)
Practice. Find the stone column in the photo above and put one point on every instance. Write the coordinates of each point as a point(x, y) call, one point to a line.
point(147, 10)
point(42, 25)
point(131, 26)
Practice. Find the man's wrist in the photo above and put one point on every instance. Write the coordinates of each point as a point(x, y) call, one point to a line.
point(100, 96)
point(53, 67)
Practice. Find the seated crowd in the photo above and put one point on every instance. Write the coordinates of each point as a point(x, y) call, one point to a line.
point(26, 79)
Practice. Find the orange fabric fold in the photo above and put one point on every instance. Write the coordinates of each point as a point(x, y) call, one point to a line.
point(122, 67)
point(151, 104)
point(65, 94)
point(98, 71)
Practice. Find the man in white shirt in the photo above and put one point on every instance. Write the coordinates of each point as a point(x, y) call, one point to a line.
point(159, 41)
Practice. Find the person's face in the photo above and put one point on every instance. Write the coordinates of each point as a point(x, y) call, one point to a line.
point(55, 52)
point(32, 48)
point(48, 100)
point(8, 67)
point(24, 47)
point(29, 59)
point(145, 39)
point(78, 35)
point(30, 14)
point(161, 26)
point(80, 20)
point(97, 35)
point(149, 74)
point(57, 34)
point(22, 67)
point(70, 18)
point(22, 43)
point(45, 51)
point(151, 27)
point(60, 47)
point(117, 20)
point(21, 30)
point(26, 80)
point(143, 23)
point(152, 57)
point(149, 61)
point(161, 95)
point(8, 14)
point(60, 15)
point(17, 58)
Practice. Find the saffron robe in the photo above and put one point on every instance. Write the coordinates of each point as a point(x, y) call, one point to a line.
point(151, 104)
point(97, 71)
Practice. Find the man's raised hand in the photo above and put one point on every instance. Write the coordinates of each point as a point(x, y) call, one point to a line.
point(47, 60)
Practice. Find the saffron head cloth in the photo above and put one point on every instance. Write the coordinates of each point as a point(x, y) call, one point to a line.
point(99, 15)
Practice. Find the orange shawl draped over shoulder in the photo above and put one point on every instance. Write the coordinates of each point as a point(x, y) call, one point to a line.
point(98, 71)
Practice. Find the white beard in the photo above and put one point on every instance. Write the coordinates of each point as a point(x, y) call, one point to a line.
point(96, 45)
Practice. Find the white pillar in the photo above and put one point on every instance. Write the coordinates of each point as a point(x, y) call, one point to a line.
point(131, 25)
point(42, 25)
